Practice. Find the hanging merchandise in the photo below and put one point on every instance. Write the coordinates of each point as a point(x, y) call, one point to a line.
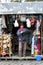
point(16, 23)
point(37, 27)
point(0, 26)
point(33, 41)
point(3, 22)
point(35, 45)
point(32, 48)
point(32, 21)
point(22, 18)
point(35, 52)
point(39, 47)
point(28, 23)
point(40, 17)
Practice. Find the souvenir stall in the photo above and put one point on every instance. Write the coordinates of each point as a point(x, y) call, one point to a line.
point(28, 14)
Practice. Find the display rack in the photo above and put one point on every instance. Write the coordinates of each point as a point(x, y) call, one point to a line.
point(5, 45)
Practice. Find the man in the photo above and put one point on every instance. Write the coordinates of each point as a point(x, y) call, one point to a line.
point(22, 43)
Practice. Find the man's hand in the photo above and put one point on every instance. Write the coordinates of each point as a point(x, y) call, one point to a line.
point(21, 32)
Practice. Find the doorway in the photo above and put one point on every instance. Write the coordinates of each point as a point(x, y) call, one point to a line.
point(10, 20)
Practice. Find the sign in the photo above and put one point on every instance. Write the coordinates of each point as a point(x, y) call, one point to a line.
point(21, 8)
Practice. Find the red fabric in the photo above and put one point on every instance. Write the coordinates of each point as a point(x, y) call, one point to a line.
point(32, 21)
point(39, 47)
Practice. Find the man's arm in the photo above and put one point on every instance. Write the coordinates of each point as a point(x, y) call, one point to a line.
point(18, 32)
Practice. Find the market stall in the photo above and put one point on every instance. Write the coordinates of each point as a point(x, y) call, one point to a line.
point(30, 14)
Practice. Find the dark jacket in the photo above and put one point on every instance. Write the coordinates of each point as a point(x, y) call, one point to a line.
point(26, 36)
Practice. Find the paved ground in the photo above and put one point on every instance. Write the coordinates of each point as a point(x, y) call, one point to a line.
point(20, 62)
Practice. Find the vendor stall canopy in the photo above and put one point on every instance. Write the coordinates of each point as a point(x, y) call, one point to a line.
point(21, 8)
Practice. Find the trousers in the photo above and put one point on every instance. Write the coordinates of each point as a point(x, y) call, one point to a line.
point(22, 48)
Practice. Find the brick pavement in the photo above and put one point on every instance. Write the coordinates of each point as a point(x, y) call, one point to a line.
point(20, 62)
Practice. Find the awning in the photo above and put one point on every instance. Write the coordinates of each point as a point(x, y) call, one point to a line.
point(21, 8)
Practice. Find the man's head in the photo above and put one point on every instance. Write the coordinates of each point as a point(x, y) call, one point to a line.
point(21, 26)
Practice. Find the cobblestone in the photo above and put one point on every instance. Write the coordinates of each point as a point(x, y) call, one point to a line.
point(20, 62)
